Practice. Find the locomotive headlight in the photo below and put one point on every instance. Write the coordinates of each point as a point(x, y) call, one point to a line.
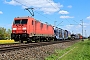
point(14, 28)
point(24, 28)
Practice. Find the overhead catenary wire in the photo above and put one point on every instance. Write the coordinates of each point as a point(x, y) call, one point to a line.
point(38, 12)
point(69, 22)
point(30, 11)
point(76, 22)
point(61, 14)
point(56, 8)
point(59, 23)
point(20, 3)
point(44, 16)
point(51, 4)
point(35, 11)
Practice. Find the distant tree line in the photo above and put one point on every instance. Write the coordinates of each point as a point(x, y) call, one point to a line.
point(5, 33)
point(88, 37)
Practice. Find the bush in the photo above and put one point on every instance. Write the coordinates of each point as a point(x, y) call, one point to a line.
point(89, 38)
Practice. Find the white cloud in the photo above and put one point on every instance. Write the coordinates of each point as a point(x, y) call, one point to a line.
point(78, 28)
point(63, 12)
point(61, 5)
point(86, 24)
point(63, 17)
point(69, 6)
point(80, 25)
point(12, 2)
point(69, 27)
point(88, 18)
point(1, 12)
point(47, 6)
point(73, 28)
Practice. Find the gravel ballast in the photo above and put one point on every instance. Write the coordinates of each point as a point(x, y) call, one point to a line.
point(34, 53)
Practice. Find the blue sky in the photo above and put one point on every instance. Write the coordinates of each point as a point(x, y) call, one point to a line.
point(66, 13)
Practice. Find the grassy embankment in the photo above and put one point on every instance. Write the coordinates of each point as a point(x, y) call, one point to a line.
point(7, 41)
point(78, 51)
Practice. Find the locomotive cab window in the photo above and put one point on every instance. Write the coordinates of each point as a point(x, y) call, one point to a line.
point(16, 22)
point(20, 21)
point(24, 21)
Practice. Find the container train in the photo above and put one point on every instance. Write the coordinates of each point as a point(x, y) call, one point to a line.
point(29, 29)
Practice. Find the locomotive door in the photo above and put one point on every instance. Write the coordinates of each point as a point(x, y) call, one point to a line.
point(34, 27)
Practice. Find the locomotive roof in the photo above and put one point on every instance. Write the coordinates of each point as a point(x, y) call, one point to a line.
point(24, 17)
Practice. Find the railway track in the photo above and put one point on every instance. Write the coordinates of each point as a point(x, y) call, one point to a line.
point(10, 47)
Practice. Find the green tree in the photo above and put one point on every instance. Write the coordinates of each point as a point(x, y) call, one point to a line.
point(5, 34)
point(8, 34)
point(2, 33)
point(88, 37)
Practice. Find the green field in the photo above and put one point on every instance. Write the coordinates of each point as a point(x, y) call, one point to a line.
point(7, 41)
point(79, 51)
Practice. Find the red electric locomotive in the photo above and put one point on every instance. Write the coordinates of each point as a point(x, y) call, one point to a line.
point(28, 29)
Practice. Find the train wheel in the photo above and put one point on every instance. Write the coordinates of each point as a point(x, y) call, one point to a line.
point(36, 41)
point(28, 40)
point(41, 40)
point(47, 39)
point(51, 39)
point(21, 41)
point(16, 40)
point(55, 39)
